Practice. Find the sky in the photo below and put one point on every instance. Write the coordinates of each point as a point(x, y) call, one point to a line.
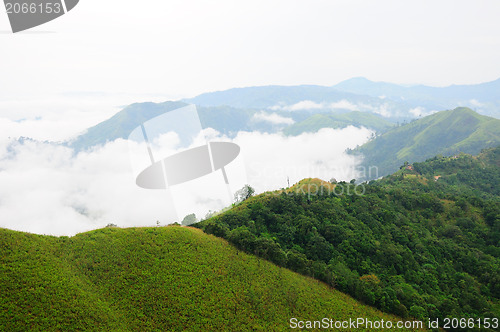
point(60, 78)
point(180, 48)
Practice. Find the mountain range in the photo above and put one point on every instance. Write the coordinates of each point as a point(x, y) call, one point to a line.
point(229, 121)
point(388, 99)
point(448, 133)
point(307, 108)
point(484, 97)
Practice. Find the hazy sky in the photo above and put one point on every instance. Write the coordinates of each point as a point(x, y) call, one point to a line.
point(177, 48)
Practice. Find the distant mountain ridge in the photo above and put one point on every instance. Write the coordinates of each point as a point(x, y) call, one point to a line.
point(388, 99)
point(122, 123)
point(488, 91)
point(227, 120)
point(305, 108)
point(303, 97)
point(483, 97)
point(447, 132)
point(273, 95)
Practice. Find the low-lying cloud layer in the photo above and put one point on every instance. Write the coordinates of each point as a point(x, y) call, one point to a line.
point(47, 189)
point(312, 105)
point(272, 118)
point(345, 105)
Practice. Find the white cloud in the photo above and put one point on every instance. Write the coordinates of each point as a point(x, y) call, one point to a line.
point(301, 105)
point(420, 111)
point(475, 103)
point(344, 104)
point(61, 116)
point(80, 55)
point(311, 105)
point(271, 158)
point(380, 109)
point(47, 190)
point(417, 111)
point(272, 118)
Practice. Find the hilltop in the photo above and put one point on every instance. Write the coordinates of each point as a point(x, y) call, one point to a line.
point(145, 279)
point(447, 133)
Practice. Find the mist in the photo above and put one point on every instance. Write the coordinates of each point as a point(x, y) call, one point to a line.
point(47, 189)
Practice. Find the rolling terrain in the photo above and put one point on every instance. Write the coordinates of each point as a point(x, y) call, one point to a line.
point(447, 132)
point(422, 242)
point(154, 279)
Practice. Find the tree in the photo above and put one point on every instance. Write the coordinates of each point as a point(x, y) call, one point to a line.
point(189, 219)
point(244, 193)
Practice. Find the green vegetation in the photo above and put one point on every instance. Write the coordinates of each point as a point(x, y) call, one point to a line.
point(122, 123)
point(225, 119)
point(412, 244)
point(447, 133)
point(162, 279)
point(335, 120)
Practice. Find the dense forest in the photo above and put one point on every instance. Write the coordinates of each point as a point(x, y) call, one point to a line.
point(423, 242)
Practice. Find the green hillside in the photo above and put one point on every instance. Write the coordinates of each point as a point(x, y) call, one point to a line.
point(333, 120)
point(447, 133)
point(154, 279)
point(122, 123)
point(423, 242)
point(225, 119)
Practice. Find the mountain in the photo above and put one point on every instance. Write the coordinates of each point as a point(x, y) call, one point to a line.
point(304, 108)
point(154, 279)
point(122, 123)
point(390, 100)
point(227, 120)
point(484, 97)
point(303, 97)
point(273, 95)
point(423, 242)
point(447, 132)
point(333, 120)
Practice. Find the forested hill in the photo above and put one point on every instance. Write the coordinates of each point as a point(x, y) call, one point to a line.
point(423, 242)
point(447, 132)
point(154, 279)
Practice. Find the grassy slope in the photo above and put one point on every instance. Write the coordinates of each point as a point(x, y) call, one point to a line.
point(169, 278)
point(447, 132)
point(358, 119)
point(122, 123)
